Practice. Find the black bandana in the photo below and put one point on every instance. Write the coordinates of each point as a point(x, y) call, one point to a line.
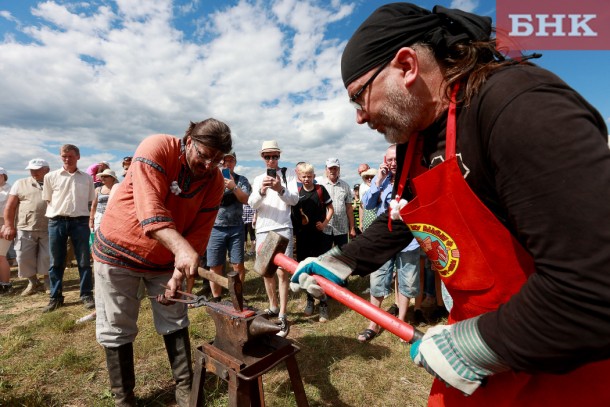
point(398, 25)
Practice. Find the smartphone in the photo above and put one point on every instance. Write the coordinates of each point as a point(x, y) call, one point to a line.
point(226, 173)
point(271, 172)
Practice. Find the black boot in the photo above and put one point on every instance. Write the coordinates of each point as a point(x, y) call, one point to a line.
point(122, 377)
point(178, 348)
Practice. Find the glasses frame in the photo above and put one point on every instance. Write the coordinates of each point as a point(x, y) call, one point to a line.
point(207, 161)
point(355, 96)
point(271, 157)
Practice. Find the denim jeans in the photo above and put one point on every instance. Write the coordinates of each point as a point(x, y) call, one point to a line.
point(78, 231)
point(407, 270)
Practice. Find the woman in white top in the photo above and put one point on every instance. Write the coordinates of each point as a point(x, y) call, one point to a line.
point(102, 195)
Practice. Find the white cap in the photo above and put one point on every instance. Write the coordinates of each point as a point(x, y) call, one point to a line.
point(332, 162)
point(36, 164)
point(3, 171)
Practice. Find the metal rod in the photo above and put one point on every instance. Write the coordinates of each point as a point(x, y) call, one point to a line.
point(349, 299)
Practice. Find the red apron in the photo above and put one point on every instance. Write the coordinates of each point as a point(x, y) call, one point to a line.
point(483, 265)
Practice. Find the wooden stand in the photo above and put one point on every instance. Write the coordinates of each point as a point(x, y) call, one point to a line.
point(245, 376)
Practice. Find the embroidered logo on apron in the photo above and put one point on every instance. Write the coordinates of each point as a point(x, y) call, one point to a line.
point(439, 247)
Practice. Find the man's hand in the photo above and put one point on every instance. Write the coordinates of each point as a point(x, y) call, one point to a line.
point(187, 261)
point(352, 232)
point(8, 232)
point(382, 174)
point(173, 284)
point(332, 265)
point(457, 355)
point(272, 182)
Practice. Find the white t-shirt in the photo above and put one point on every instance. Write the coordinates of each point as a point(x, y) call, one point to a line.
point(273, 210)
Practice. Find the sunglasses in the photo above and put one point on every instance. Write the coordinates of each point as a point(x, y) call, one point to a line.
point(271, 157)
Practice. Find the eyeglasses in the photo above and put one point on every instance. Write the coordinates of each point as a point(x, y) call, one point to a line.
point(271, 157)
point(207, 161)
point(356, 95)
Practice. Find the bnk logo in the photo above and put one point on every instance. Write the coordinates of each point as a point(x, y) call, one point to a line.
point(553, 25)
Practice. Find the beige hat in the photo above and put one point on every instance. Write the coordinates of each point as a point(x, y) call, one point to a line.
point(270, 145)
point(108, 173)
point(371, 172)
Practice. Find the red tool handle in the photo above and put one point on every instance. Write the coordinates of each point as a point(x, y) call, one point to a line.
point(354, 302)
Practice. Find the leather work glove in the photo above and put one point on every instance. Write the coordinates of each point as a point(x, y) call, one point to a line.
point(332, 265)
point(457, 355)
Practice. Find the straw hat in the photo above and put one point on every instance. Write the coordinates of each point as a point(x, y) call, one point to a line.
point(108, 173)
point(270, 145)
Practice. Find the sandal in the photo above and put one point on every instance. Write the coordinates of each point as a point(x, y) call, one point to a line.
point(367, 335)
point(393, 310)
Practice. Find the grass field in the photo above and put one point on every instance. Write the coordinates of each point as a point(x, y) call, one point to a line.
point(49, 360)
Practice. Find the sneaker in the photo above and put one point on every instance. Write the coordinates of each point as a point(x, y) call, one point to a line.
point(53, 304)
point(323, 312)
point(31, 289)
point(309, 307)
point(284, 327)
point(272, 314)
point(86, 318)
point(418, 318)
point(216, 299)
point(6, 288)
point(88, 301)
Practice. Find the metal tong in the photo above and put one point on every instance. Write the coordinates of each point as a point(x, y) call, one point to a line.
point(193, 300)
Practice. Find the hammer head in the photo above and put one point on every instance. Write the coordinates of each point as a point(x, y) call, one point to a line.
point(272, 245)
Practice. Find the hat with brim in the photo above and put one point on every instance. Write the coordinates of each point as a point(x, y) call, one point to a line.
point(270, 146)
point(108, 173)
point(371, 172)
point(36, 164)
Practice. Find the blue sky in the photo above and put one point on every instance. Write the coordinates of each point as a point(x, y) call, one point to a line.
point(104, 74)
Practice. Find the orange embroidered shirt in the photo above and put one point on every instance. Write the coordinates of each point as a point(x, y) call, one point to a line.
point(146, 202)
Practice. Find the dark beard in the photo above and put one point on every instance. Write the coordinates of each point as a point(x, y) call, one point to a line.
point(399, 115)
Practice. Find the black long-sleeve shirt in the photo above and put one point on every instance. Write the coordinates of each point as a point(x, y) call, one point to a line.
point(536, 154)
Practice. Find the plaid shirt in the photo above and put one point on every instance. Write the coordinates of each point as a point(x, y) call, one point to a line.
point(248, 215)
point(341, 195)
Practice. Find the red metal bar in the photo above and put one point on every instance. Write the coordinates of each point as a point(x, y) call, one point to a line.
point(354, 302)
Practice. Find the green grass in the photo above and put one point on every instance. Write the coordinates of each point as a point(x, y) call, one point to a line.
point(48, 360)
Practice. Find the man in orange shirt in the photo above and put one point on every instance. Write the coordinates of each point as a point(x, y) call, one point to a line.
point(155, 227)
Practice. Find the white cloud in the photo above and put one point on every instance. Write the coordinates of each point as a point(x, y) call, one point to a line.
point(105, 76)
point(466, 5)
point(7, 15)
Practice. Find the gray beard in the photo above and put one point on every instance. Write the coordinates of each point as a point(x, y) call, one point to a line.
point(399, 115)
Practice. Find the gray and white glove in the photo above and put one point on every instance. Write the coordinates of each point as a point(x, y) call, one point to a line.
point(457, 355)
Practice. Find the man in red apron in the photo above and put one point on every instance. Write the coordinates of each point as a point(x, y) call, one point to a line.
point(506, 171)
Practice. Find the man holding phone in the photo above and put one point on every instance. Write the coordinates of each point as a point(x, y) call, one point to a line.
point(228, 231)
point(273, 193)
